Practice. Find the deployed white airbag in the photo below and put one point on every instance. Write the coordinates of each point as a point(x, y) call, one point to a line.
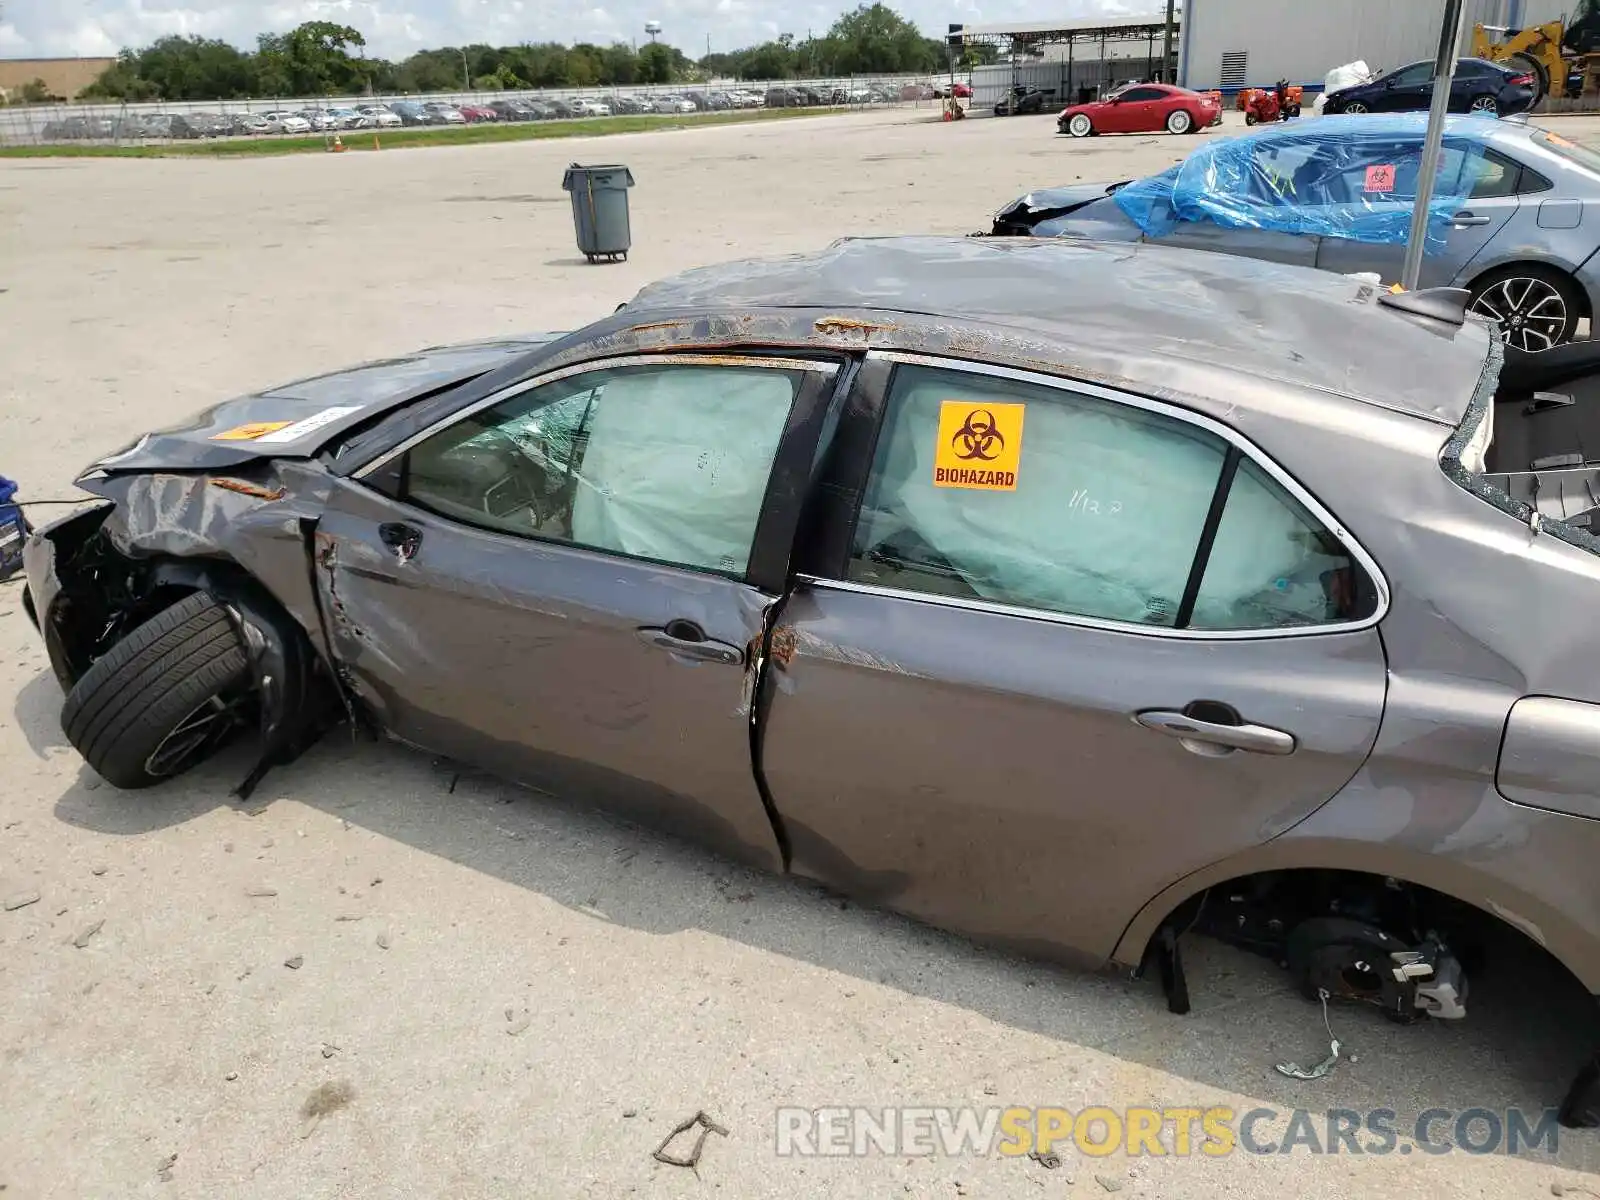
point(1105, 521)
point(677, 462)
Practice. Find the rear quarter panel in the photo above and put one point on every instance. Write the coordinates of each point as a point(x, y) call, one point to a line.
point(1483, 612)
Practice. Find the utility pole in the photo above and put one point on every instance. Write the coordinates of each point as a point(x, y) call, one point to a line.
point(1444, 73)
point(1169, 72)
point(466, 75)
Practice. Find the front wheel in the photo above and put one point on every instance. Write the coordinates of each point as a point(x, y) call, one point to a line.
point(1179, 121)
point(1535, 307)
point(164, 698)
point(1355, 108)
point(1249, 118)
point(1080, 125)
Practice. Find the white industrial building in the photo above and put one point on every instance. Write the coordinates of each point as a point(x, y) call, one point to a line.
point(1070, 60)
point(1230, 44)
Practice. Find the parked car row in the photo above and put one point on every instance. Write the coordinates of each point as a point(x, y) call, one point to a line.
point(807, 97)
point(397, 113)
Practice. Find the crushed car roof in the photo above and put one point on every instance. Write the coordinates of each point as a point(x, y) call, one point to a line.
point(1152, 305)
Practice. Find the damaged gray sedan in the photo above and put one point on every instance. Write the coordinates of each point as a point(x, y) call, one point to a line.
point(1070, 596)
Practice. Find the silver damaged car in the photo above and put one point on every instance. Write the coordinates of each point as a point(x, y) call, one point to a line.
point(1521, 235)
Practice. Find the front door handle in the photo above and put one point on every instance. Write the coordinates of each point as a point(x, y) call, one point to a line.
point(1462, 219)
point(405, 540)
point(1254, 739)
point(687, 640)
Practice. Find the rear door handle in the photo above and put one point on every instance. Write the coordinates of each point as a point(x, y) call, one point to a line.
point(687, 640)
point(1463, 219)
point(1254, 739)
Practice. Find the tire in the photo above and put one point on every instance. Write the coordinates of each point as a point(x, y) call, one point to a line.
point(124, 711)
point(1080, 125)
point(1486, 106)
point(1540, 73)
point(1355, 108)
point(1179, 122)
point(1537, 307)
point(1249, 118)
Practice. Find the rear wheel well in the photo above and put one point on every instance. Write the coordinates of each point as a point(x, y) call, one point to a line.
point(1533, 266)
point(1258, 912)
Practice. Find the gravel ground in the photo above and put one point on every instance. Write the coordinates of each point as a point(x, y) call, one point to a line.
point(377, 979)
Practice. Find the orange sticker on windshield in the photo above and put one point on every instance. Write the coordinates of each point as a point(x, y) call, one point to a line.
point(1380, 178)
point(980, 446)
point(250, 432)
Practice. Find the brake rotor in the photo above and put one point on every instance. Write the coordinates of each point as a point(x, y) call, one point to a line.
point(1351, 961)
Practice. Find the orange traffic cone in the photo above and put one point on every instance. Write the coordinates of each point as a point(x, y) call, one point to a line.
point(338, 144)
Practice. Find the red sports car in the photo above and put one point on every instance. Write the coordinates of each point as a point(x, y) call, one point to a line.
point(1141, 108)
point(476, 112)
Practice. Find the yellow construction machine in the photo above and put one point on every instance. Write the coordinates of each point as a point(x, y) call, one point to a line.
point(1562, 56)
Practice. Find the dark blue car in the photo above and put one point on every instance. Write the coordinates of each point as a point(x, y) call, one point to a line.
point(1480, 86)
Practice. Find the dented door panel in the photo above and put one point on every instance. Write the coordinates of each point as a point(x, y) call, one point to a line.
point(527, 658)
point(985, 771)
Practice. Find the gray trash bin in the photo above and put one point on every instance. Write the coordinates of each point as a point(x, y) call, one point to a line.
point(600, 209)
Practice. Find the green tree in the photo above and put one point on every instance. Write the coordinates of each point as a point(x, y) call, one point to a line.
point(773, 60)
point(121, 81)
point(874, 39)
point(620, 65)
point(36, 91)
point(655, 64)
point(585, 65)
point(319, 60)
point(979, 56)
point(506, 79)
point(429, 71)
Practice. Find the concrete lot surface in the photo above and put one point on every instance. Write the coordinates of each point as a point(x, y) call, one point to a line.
point(379, 979)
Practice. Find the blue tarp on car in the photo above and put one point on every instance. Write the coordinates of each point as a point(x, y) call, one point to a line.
point(1352, 177)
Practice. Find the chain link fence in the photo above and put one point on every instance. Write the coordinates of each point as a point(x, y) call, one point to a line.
point(165, 123)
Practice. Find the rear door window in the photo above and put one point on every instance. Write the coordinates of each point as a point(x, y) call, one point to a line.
point(1043, 498)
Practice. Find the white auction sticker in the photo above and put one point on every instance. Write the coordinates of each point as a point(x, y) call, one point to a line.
point(300, 429)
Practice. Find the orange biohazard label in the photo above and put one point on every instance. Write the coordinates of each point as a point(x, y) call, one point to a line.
point(980, 445)
point(1380, 178)
point(250, 432)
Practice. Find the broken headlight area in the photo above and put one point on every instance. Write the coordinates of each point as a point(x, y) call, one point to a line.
point(91, 587)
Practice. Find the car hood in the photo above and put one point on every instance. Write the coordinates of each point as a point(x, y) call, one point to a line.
point(1044, 204)
point(297, 420)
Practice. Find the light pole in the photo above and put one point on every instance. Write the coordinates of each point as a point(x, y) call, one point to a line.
point(466, 73)
point(1168, 73)
point(1444, 73)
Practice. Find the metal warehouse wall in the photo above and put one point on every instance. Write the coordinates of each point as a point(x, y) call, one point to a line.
point(1302, 40)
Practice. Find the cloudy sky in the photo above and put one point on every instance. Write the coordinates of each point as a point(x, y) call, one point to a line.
point(395, 28)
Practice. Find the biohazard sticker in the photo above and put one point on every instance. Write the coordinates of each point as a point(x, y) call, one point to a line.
point(250, 432)
point(1380, 178)
point(980, 446)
